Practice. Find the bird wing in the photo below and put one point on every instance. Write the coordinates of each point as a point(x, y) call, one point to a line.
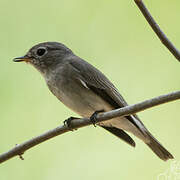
point(121, 134)
point(99, 84)
point(97, 80)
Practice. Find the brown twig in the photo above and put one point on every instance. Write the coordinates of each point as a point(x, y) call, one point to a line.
point(19, 149)
point(157, 29)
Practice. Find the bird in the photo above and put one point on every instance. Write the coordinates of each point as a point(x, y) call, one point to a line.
point(87, 91)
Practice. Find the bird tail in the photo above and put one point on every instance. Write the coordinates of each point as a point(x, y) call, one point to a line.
point(157, 148)
point(153, 143)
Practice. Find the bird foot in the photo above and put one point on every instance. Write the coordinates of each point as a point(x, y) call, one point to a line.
point(67, 123)
point(93, 117)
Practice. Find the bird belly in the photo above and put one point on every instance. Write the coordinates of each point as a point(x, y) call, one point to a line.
point(83, 101)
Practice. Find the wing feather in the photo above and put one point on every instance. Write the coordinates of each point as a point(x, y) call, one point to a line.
point(98, 82)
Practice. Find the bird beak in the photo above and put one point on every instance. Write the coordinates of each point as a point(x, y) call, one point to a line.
point(20, 59)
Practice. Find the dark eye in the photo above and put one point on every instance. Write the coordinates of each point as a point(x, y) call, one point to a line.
point(41, 51)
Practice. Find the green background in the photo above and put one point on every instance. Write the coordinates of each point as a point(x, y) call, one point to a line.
point(113, 36)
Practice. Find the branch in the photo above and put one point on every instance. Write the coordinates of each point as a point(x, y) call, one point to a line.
point(157, 29)
point(18, 150)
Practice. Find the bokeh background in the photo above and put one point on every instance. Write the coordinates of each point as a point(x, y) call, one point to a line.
point(114, 37)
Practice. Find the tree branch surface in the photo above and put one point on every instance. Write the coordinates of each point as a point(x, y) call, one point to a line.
point(157, 29)
point(19, 149)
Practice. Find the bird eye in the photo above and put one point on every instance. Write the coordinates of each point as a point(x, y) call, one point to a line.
point(41, 51)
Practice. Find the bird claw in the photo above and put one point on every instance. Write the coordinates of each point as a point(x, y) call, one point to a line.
point(67, 123)
point(93, 117)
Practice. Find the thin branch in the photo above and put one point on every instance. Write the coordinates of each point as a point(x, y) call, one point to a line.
point(157, 29)
point(19, 150)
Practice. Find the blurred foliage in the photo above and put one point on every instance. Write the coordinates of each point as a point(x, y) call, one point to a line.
point(113, 36)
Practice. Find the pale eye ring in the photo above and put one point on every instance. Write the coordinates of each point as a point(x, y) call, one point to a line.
point(41, 51)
